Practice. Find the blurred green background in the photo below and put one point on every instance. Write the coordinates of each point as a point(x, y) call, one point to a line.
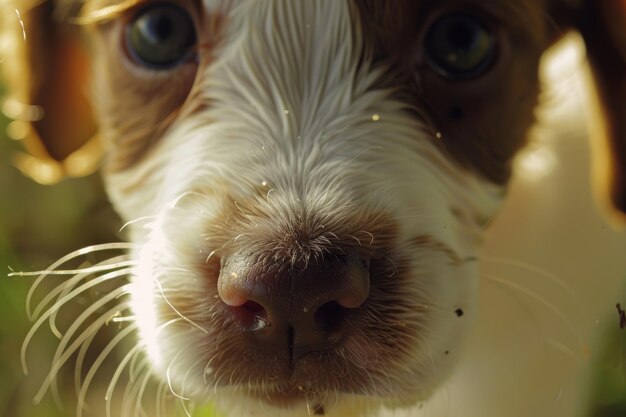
point(39, 224)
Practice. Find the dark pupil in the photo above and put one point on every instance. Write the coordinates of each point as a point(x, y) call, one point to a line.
point(161, 36)
point(462, 36)
point(159, 28)
point(459, 45)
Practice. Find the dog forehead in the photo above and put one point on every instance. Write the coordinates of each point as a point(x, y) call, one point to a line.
point(389, 28)
point(392, 15)
point(276, 53)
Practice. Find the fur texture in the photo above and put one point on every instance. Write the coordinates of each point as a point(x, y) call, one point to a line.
point(302, 130)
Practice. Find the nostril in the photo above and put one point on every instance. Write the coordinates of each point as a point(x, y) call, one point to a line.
point(250, 315)
point(253, 307)
point(330, 316)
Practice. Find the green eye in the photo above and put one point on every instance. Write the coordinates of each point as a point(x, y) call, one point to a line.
point(161, 36)
point(460, 46)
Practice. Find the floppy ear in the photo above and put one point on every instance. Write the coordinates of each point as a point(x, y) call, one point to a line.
point(602, 24)
point(46, 71)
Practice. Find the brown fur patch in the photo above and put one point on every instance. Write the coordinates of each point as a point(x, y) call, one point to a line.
point(481, 122)
point(135, 105)
point(295, 232)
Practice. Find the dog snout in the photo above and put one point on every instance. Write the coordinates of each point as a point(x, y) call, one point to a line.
point(298, 307)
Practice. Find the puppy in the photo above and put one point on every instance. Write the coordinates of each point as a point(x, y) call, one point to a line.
point(307, 183)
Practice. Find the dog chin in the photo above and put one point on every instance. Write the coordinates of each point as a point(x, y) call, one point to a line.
point(296, 402)
point(289, 399)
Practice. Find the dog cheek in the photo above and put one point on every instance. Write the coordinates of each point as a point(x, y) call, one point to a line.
point(455, 302)
point(164, 291)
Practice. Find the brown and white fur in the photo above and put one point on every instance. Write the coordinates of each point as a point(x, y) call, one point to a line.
point(306, 133)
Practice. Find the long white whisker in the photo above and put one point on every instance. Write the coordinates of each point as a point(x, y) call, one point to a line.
point(80, 359)
point(137, 220)
point(161, 397)
point(85, 270)
point(186, 377)
point(120, 273)
point(133, 368)
point(103, 278)
point(551, 277)
point(130, 391)
point(51, 311)
point(540, 300)
point(188, 320)
point(184, 406)
point(71, 283)
point(116, 375)
point(130, 357)
point(142, 388)
point(67, 258)
point(169, 379)
point(60, 351)
point(94, 327)
point(172, 204)
point(96, 365)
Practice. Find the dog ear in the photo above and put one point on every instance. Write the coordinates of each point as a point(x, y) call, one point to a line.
point(602, 23)
point(46, 72)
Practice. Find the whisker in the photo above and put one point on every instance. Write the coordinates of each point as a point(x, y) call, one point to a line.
point(96, 365)
point(185, 379)
point(126, 319)
point(188, 320)
point(78, 367)
point(148, 372)
point(51, 310)
point(185, 410)
point(551, 277)
point(86, 270)
point(103, 278)
point(116, 375)
point(169, 380)
point(131, 357)
point(142, 388)
point(541, 301)
point(67, 258)
point(371, 236)
point(137, 220)
point(68, 285)
point(60, 350)
point(566, 351)
point(130, 392)
point(172, 204)
point(91, 329)
point(186, 376)
point(160, 399)
point(133, 368)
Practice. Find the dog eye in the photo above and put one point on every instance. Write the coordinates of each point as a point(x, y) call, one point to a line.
point(459, 46)
point(161, 36)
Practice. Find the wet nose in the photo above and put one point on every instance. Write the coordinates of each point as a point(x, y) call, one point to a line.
point(301, 307)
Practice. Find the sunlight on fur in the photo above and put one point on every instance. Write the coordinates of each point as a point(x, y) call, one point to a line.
point(305, 239)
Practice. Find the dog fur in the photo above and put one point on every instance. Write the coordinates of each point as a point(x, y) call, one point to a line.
point(303, 130)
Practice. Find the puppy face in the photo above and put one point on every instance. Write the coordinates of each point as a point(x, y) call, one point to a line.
point(294, 138)
point(317, 176)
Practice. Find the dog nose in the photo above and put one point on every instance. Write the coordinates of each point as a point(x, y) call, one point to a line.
point(301, 307)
